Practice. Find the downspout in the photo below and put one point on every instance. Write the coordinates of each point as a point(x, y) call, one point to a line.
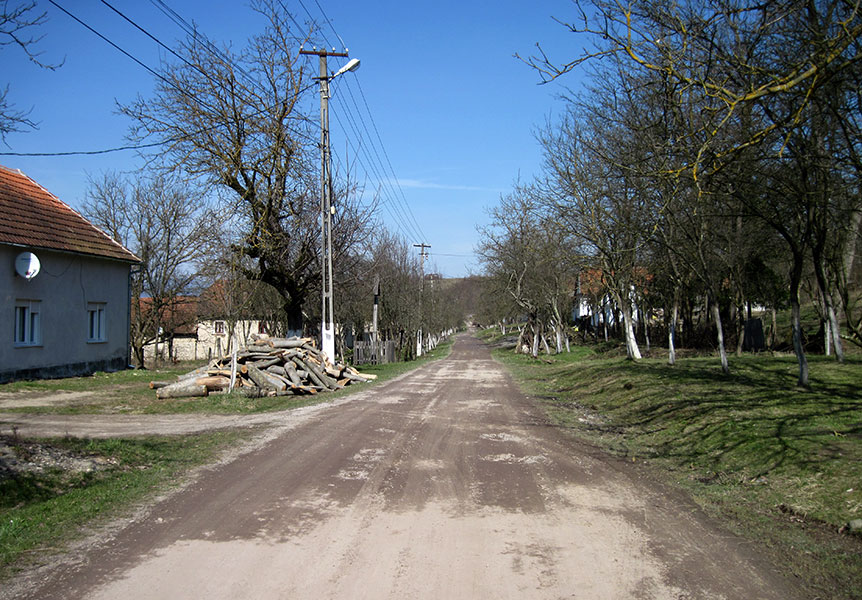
point(129, 317)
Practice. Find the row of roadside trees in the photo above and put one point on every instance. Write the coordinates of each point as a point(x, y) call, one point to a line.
point(712, 161)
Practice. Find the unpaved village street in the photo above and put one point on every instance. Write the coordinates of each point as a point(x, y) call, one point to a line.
point(444, 484)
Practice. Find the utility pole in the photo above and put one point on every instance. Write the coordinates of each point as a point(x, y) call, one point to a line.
point(374, 344)
point(422, 256)
point(327, 325)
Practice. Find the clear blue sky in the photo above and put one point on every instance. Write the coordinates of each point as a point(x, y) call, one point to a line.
point(455, 111)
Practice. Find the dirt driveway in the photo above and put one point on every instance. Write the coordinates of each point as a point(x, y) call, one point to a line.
point(445, 484)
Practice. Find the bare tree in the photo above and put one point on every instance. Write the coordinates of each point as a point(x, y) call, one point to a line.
point(167, 226)
point(17, 22)
point(236, 120)
point(526, 260)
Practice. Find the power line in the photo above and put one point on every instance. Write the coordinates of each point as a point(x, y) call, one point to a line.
point(311, 18)
point(171, 140)
point(328, 22)
point(84, 152)
point(148, 34)
point(400, 221)
point(177, 18)
point(399, 197)
point(398, 193)
point(139, 62)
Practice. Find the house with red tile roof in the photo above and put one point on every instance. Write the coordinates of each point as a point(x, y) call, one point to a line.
point(64, 287)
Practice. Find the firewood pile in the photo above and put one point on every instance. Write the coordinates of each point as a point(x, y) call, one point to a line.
point(269, 367)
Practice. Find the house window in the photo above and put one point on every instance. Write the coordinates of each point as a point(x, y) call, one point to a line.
point(218, 327)
point(96, 326)
point(28, 323)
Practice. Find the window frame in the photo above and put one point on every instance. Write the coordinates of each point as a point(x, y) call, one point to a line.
point(27, 331)
point(99, 311)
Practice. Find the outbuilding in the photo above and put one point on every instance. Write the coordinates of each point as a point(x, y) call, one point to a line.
point(64, 287)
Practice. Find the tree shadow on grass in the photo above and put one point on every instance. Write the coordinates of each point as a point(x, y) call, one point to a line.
point(753, 421)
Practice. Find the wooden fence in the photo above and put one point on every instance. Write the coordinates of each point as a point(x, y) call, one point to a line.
point(365, 353)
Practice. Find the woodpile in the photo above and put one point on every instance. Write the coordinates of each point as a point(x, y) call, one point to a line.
point(270, 367)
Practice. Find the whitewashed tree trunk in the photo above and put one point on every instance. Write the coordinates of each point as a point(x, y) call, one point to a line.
point(520, 341)
point(835, 329)
point(722, 351)
point(632, 349)
point(671, 332)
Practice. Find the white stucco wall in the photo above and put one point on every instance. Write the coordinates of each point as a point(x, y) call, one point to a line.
point(65, 287)
point(206, 344)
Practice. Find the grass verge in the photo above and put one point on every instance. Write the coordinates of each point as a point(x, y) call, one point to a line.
point(778, 465)
point(40, 512)
point(128, 392)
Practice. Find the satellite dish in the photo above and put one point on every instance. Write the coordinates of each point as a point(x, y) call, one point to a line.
point(27, 265)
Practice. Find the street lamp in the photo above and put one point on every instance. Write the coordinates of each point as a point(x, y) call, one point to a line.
point(327, 325)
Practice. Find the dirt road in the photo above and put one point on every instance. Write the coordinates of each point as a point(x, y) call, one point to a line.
point(445, 484)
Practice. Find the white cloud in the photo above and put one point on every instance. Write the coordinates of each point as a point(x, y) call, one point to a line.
point(419, 184)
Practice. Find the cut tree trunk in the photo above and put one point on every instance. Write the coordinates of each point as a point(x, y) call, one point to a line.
point(187, 388)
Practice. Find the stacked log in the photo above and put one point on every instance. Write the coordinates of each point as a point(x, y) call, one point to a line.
point(269, 367)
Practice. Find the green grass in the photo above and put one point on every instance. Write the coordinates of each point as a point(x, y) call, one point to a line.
point(128, 391)
point(99, 379)
point(782, 465)
point(40, 512)
point(119, 391)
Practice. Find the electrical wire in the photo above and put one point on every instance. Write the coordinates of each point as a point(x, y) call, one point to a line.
point(399, 196)
point(392, 195)
point(177, 18)
point(390, 207)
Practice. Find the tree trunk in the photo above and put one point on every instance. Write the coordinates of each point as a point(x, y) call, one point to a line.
point(138, 350)
point(534, 351)
point(182, 389)
point(646, 330)
point(293, 310)
point(520, 341)
point(545, 342)
point(774, 335)
point(795, 281)
point(825, 294)
point(722, 351)
point(632, 350)
point(671, 330)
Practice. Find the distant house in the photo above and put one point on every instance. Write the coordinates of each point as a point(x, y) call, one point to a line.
point(64, 287)
point(188, 335)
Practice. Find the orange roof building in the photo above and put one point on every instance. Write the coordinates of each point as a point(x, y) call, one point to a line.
point(64, 287)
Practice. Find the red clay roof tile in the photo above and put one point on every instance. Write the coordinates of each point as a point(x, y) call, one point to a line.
point(32, 216)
